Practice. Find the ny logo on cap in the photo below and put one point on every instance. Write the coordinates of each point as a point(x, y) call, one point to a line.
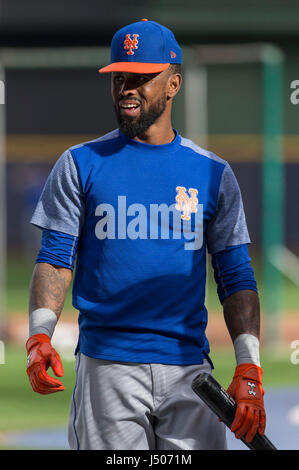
point(131, 43)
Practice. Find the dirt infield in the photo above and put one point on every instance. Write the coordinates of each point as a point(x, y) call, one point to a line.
point(287, 325)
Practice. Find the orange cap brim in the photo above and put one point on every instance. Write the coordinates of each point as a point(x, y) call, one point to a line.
point(134, 67)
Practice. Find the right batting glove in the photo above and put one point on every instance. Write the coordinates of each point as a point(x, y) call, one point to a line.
point(41, 356)
point(246, 389)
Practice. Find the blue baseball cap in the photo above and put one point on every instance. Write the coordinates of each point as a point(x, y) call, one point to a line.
point(143, 47)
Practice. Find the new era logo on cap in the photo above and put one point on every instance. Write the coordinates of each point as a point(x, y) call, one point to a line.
point(143, 47)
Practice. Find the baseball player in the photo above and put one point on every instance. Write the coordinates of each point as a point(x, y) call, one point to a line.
point(136, 210)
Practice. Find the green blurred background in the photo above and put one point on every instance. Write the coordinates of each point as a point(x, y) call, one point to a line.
point(51, 105)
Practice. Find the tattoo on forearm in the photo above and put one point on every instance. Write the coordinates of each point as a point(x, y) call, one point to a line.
point(242, 313)
point(48, 287)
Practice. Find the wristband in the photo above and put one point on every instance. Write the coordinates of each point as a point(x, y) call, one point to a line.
point(247, 349)
point(42, 321)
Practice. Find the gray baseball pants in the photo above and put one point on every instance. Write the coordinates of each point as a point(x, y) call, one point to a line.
point(132, 406)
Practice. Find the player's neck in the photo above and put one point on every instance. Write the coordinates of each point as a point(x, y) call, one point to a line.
point(157, 134)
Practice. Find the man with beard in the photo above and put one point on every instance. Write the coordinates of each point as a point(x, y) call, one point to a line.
point(137, 208)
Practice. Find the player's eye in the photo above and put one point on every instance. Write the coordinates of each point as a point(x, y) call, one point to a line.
point(118, 80)
point(143, 79)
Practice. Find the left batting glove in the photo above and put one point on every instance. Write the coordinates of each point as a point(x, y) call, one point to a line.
point(246, 389)
point(41, 356)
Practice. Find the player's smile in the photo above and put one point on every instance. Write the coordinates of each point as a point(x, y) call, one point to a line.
point(129, 107)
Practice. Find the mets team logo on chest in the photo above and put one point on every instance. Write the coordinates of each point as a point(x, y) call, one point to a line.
point(185, 203)
point(131, 44)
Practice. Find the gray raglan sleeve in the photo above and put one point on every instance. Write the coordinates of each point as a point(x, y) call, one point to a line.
point(228, 226)
point(61, 204)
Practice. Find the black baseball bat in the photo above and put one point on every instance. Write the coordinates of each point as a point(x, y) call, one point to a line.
point(224, 406)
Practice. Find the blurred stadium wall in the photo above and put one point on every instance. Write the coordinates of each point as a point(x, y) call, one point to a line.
point(49, 110)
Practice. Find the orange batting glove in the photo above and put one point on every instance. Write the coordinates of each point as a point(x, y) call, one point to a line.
point(41, 356)
point(246, 389)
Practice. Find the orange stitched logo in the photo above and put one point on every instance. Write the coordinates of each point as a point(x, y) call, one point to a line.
point(185, 203)
point(172, 54)
point(131, 43)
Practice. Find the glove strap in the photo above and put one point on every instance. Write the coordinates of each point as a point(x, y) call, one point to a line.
point(36, 339)
point(249, 371)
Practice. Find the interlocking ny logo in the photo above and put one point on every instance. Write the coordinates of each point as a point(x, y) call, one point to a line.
point(185, 203)
point(131, 43)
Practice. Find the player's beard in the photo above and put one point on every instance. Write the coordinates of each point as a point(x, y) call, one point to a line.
point(136, 127)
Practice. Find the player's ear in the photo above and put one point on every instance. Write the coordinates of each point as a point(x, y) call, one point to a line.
point(173, 84)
